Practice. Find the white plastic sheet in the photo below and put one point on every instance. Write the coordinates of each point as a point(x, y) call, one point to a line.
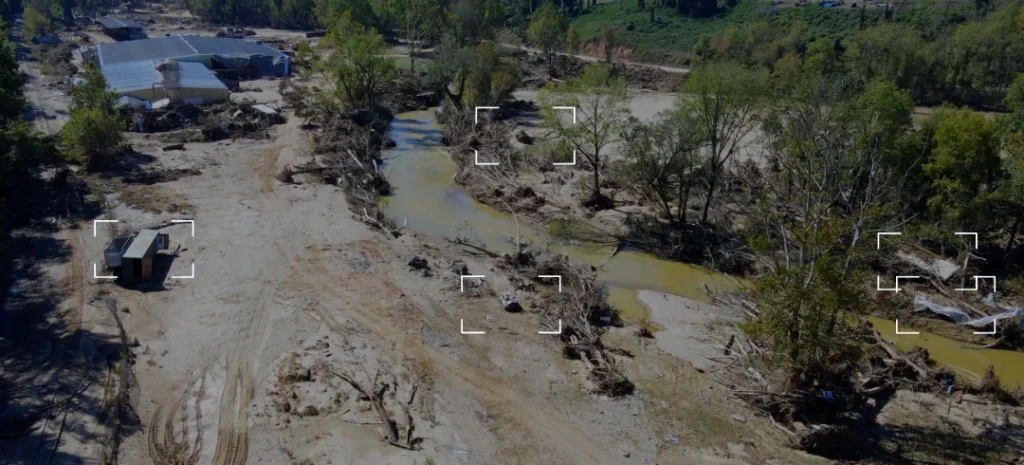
point(921, 303)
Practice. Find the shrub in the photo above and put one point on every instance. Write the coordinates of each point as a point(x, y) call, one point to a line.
point(36, 24)
point(93, 137)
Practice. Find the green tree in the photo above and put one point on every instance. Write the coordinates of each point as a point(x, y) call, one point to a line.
point(36, 23)
point(94, 132)
point(983, 57)
point(724, 100)
point(893, 52)
point(807, 319)
point(1011, 187)
point(93, 137)
point(419, 21)
point(357, 72)
point(836, 176)
point(599, 99)
point(663, 161)
point(547, 31)
point(93, 94)
point(11, 81)
point(472, 76)
point(476, 20)
point(962, 167)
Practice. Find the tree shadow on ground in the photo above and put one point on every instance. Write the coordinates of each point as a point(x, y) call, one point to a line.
point(860, 437)
point(51, 369)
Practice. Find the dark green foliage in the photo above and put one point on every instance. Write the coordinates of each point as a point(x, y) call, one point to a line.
point(21, 148)
point(93, 134)
point(274, 13)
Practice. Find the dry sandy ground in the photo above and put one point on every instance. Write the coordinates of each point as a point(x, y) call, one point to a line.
point(237, 364)
point(689, 330)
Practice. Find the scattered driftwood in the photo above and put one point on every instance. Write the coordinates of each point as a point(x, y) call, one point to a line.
point(375, 394)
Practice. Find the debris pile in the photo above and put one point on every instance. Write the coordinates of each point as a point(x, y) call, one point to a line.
point(216, 122)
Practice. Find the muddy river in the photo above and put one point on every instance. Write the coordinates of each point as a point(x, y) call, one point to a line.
point(426, 197)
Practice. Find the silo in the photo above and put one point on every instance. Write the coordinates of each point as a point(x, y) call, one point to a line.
point(171, 72)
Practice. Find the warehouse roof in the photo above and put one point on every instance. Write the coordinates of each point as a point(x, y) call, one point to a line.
point(118, 23)
point(138, 75)
point(141, 244)
point(177, 47)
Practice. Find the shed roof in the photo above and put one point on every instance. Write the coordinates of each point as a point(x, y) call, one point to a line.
point(143, 240)
point(139, 75)
point(178, 47)
point(118, 23)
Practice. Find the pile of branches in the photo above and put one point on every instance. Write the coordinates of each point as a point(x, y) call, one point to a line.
point(217, 122)
point(486, 142)
point(347, 154)
point(583, 308)
point(230, 120)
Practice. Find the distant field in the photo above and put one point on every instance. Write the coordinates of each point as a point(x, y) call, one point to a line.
point(670, 38)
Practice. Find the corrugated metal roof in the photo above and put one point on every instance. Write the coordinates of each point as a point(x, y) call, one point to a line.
point(226, 46)
point(177, 47)
point(138, 75)
point(140, 244)
point(145, 49)
point(118, 23)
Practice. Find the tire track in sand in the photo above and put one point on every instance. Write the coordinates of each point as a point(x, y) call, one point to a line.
point(233, 422)
point(232, 447)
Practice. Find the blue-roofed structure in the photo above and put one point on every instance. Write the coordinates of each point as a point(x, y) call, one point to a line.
point(257, 58)
point(140, 79)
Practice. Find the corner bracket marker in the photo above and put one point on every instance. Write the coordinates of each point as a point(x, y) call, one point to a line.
point(975, 288)
point(572, 163)
point(974, 234)
point(193, 222)
point(476, 160)
point(879, 237)
point(462, 328)
point(553, 332)
point(878, 280)
point(191, 276)
point(476, 113)
point(573, 109)
point(95, 275)
point(904, 332)
point(100, 221)
point(462, 280)
point(558, 276)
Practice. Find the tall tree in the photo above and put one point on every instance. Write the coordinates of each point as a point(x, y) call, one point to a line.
point(418, 21)
point(1011, 188)
point(962, 167)
point(835, 176)
point(599, 99)
point(724, 100)
point(547, 31)
point(357, 71)
point(663, 161)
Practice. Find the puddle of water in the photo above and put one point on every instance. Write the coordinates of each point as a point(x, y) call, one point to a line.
point(422, 170)
point(968, 362)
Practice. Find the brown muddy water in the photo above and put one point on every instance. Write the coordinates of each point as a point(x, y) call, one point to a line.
point(427, 198)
